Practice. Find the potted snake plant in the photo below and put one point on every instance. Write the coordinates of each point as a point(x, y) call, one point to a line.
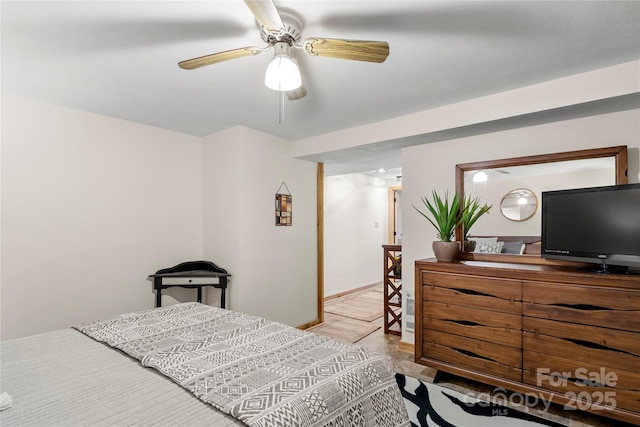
point(445, 216)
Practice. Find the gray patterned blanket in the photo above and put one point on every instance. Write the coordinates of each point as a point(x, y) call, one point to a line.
point(261, 372)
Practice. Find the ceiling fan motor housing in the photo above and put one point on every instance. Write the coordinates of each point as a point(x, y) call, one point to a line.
point(291, 32)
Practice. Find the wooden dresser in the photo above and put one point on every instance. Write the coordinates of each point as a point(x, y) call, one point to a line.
point(556, 333)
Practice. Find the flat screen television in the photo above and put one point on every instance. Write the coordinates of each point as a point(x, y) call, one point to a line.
point(598, 225)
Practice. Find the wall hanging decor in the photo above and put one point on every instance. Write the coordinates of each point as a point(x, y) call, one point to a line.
point(283, 206)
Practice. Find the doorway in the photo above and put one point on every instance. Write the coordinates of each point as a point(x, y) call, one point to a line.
point(354, 219)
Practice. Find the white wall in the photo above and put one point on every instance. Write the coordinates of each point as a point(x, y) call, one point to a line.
point(353, 205)
point(492, 192)
point(431, 166)
point(90, 206)
point(221, 208)
point(274, 268)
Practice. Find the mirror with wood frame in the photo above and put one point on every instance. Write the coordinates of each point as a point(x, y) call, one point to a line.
point(519, 204)
point(529, 172)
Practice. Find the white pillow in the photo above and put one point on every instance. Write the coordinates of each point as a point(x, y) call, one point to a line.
point(489, 247)
point(480, 240)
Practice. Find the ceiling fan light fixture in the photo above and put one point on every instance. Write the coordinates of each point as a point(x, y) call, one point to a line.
point(282, 73)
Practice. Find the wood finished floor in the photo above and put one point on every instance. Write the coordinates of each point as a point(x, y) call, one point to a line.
point(403, 362)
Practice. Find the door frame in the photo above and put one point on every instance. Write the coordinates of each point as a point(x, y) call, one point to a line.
point(320, 244)
point(391, 217)
point(320, 239)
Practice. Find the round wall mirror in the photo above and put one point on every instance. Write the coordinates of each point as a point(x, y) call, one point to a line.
point(519, 204)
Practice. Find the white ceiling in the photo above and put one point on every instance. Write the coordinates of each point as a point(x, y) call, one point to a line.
point(119, 58)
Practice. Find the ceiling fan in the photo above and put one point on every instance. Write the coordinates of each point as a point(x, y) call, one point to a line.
point(282, 30)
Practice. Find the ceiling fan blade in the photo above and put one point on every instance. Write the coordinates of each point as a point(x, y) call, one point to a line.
point(266, 14)
point(214, 58)
point(298, 93)
point(357, 50)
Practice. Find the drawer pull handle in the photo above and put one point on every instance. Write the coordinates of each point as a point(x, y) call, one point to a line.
point(583, 307)
point(465, 322)
point(472, 354)
point(597, 346)
point(471, 292)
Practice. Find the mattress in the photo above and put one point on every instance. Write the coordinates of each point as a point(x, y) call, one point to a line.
point(64, 378)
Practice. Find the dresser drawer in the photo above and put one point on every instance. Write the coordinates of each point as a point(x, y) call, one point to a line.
point(498, 328)
point(489, 358)
point(190, 280)
point(583, 382)
point(612, 308)
point(609, 347)
point(473, 291)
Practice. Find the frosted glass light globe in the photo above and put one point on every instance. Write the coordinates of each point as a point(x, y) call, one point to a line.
point(282, 74)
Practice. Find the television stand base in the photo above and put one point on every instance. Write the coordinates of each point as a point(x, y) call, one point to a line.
point(608, 269)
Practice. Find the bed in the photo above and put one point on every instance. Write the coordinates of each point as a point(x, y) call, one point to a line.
point(191, 364)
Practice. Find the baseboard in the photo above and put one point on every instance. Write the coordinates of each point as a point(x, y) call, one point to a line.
point(406, 347)
point(352, 291)
point(309, 325)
